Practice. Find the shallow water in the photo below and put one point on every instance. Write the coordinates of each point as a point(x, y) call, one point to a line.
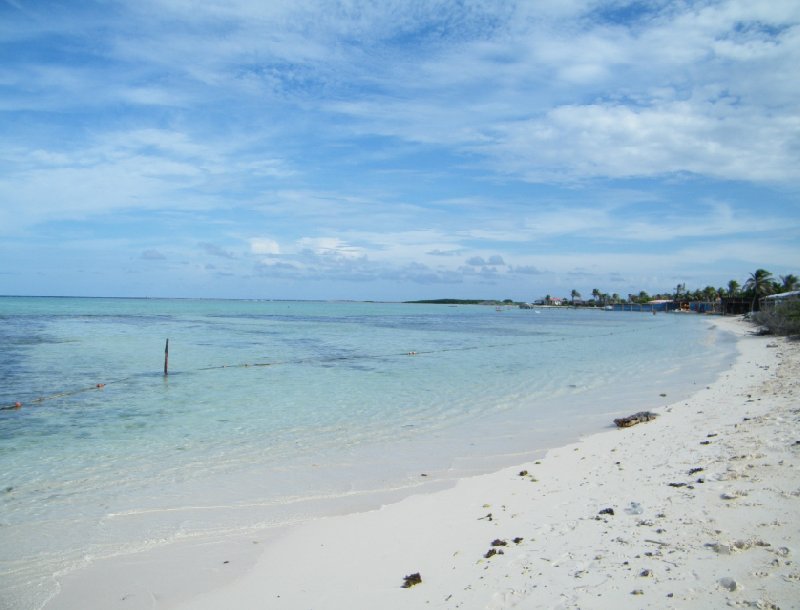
point(280, 411)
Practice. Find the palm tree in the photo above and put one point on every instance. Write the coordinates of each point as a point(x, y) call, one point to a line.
point(759, 283)
point(596, 294)
point(710, 295)
point(575, 295)
point(733, 288)
point(790, 283)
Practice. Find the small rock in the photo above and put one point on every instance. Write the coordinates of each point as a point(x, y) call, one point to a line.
point(646, 573)
point(637, 592)
point(636, 418)
point(523, 473)
point(728, 583)
point(606, 511)
point(498, 542)
point(411, 580)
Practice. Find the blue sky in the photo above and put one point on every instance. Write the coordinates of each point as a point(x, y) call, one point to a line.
point(396, 150)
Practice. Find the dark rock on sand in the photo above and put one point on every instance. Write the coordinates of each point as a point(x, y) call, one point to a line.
point(636, 418)
point(411, 580)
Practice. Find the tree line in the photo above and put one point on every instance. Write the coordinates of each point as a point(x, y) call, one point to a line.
point(759, 284)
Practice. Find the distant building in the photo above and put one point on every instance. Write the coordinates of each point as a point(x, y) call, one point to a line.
point(773, 300)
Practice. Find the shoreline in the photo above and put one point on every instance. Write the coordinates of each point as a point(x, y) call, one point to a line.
point(687, 540)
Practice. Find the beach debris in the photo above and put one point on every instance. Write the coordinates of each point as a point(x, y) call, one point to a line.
point(634, 509)
point(728, 583)
point(645, 573)
point(523, 473)
point(637, 592)
point(695, 470)
point(636, 418)
point(488, 517)
point(518, 539)
point(411, 580)
point(607, 511)
point(732, 494)
point(492, 552)
point(677, 484)
point(498, 542)
point(736, 545)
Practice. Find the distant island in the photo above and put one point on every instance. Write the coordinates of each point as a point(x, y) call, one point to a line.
point(464, 302)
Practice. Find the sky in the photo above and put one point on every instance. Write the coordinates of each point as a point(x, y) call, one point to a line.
point(396, 149)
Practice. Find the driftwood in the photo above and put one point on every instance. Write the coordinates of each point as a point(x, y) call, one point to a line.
point(636, 418)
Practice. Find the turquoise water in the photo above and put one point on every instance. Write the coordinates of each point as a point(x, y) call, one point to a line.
point(275, 412)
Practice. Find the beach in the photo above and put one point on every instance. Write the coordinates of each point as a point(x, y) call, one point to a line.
point(697, 508)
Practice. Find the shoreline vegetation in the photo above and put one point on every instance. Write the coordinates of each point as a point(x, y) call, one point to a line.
point(774, 305)
point(693, 509)
point(759, 284)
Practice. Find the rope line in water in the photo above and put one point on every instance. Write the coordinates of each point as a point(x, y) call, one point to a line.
point(100, 386)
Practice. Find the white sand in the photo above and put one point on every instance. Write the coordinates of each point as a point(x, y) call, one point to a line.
point(727, 535)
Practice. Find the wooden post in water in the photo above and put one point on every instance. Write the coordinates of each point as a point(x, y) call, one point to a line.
point(166, 359)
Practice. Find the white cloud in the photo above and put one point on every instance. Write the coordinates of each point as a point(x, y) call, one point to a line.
point(264, 245)
point(330, 248)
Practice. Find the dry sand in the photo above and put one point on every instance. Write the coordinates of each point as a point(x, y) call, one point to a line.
point(704, 512)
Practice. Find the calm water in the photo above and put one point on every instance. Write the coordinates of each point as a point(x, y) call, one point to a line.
point(279, 411)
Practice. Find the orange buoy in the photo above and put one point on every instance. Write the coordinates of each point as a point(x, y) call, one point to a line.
point(101, 385)
point(17, 405)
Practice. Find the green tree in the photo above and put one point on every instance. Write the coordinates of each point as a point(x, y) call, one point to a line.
point(790, 283)
point(758, 284)
point(575, 295)
point(733, 288)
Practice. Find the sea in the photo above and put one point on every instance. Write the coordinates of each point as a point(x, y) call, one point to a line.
point(276, 412)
